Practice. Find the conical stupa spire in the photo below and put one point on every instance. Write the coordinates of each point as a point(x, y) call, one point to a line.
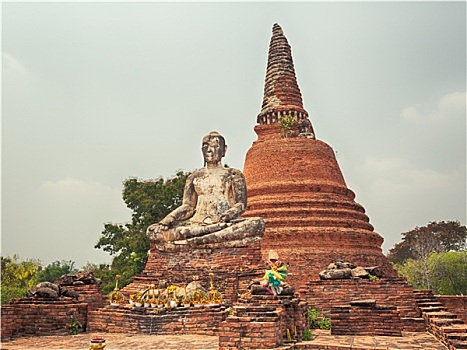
point(282, 95)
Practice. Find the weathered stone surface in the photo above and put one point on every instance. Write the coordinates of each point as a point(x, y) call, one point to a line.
point(394, 292)
point(335, 274)
point(359, 272)
point(233, 268)
point(79, 278)
point(365, 317)
point(264, 322)
point(44, 290)
point(213, 201)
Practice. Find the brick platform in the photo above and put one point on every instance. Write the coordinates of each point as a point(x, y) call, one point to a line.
point(395, 292)
point(456, 304)
point(364, 317)
point(264, 322)
point(30, 316)
point(38, 317)
point(203, 320)
point(233, 269)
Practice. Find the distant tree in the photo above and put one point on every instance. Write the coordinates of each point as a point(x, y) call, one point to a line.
point(17, 277)
point(412, 270)
point(102, 272)
point(418, 244)
point(56, 269)
point(448, 273)
point(438, 237)
point(150, 201)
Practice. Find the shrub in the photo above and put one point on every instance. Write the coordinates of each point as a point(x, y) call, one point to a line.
point(317, 320)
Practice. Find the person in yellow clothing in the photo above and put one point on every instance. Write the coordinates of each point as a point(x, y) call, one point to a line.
point(274, 277)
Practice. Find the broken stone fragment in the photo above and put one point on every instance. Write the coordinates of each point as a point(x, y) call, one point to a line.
point(335, 274)
point(360, 272)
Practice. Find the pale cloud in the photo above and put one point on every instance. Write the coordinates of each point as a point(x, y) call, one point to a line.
point(73, 211)
point(398, 174)
point(399, 195)
point(450, 106)
point(71, 186)
point(13, 64)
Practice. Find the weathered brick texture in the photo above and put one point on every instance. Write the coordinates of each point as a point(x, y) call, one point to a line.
point(391, 292)
point(36, 317)
point(456, 304)
point(203, 320)
point(233, 269)
point(311, 217)
point(264, 322)
point(296, 185)
point(366, 318)
point(28, 316)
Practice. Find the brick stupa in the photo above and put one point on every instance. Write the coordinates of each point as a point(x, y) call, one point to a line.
point(296, 185)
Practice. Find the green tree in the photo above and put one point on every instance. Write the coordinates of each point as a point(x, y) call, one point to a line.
point(56, 269)
point(150, 201)
point(17, 277)
point(420, 242)
point(412, 270)
point(448, 273)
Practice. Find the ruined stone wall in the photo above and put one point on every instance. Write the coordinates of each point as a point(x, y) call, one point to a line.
point(233, 269)
point(366, 318)
point(37, 317)
point(204, 320)
point(90, 294)
point(323, 295)
point(309, 252)
point(456, 304)
point(264, 322)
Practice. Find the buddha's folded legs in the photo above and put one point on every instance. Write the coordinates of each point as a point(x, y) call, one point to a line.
point(234, 232)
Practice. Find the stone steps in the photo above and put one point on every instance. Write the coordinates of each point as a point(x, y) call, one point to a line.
point(443, 324)
point(440, 322)
point(431, 309)
point(430, 303)
point(440, 314)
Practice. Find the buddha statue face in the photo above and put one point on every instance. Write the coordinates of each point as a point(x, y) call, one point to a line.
point(213, 148)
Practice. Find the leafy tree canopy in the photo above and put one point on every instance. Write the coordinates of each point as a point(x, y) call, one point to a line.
point(150, 201)
point(17, 277)
point(448, 273)
point(56, 269)
point(444, 273)
point(437, 237)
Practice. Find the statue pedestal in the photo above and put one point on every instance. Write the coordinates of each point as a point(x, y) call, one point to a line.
point(233, 268)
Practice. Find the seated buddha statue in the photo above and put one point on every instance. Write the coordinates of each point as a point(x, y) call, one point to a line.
point(213, 200)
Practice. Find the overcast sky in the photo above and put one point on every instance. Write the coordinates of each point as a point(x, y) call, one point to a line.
point(95, 93)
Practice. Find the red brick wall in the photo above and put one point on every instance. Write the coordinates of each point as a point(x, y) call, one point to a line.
point(262, 321)
point(366, 319)
point(28, 317)
point(323, 295)
point(233, 269)
point(455, 304)
point(311, 217)
point(204, 320)
point(90, 294)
